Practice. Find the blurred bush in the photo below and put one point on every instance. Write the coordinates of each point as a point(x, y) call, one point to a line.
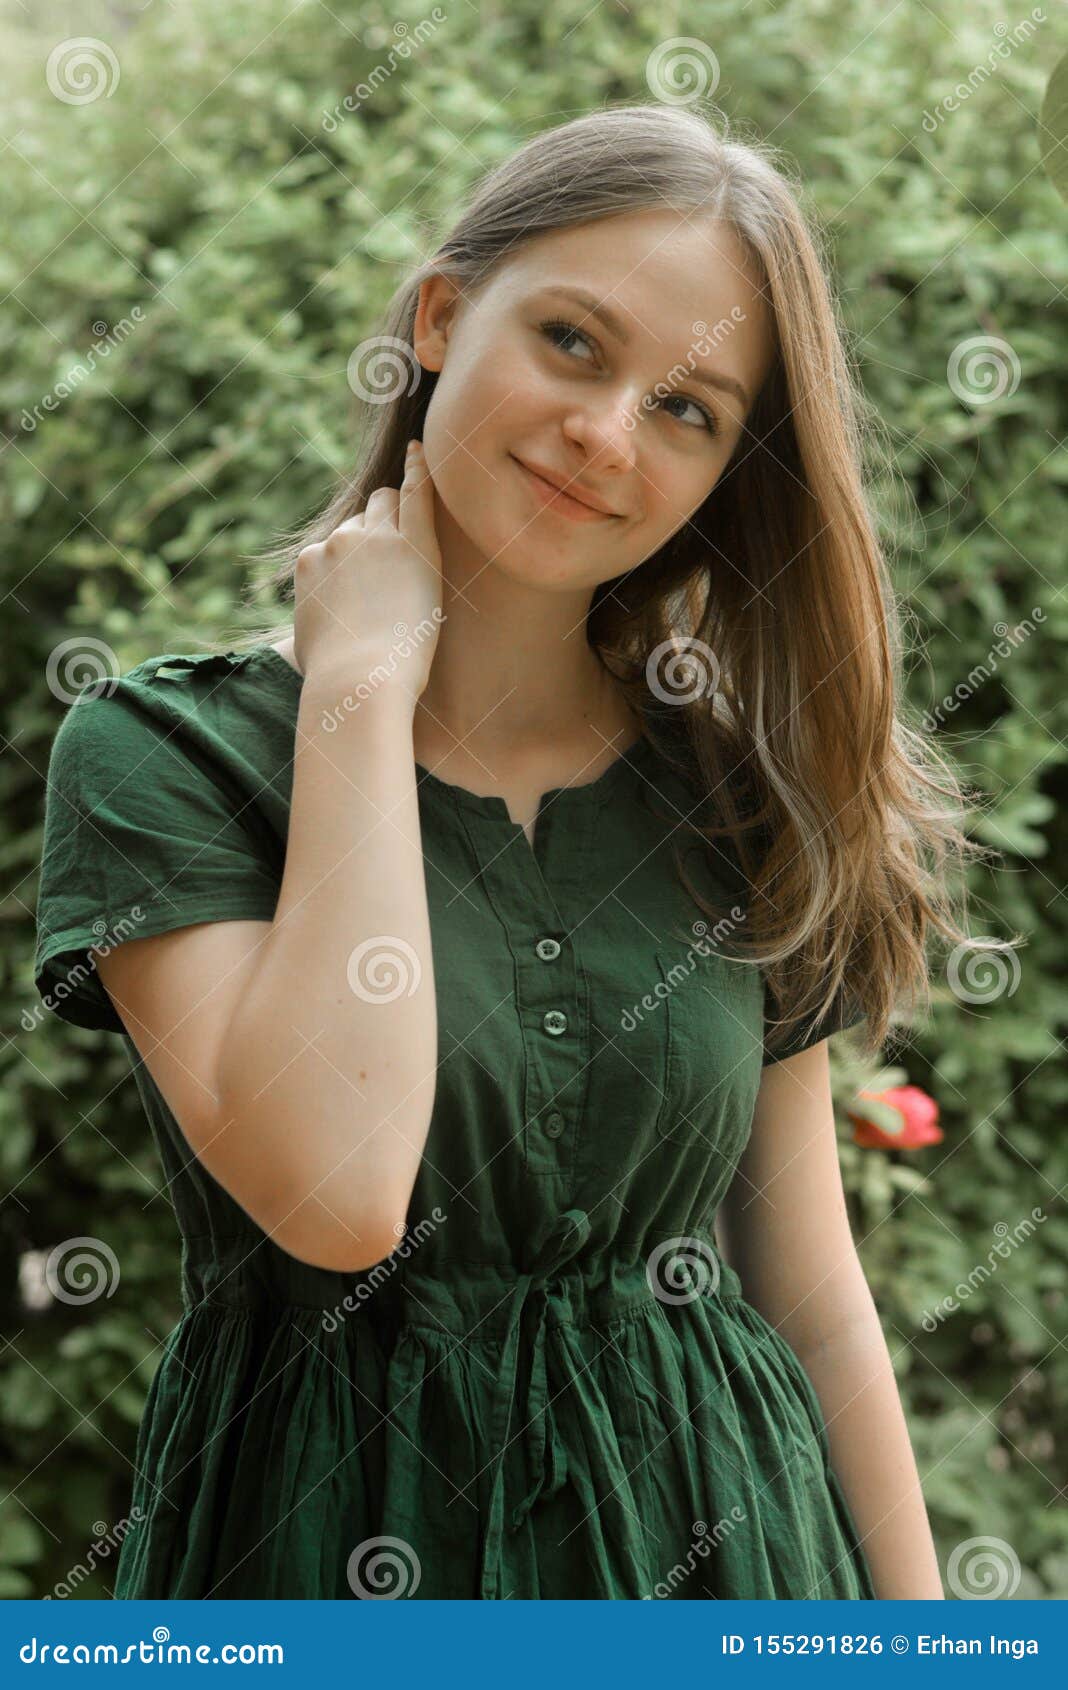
point(206, 215)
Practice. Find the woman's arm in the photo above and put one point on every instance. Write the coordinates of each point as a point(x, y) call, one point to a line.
point(785, 1230)
point(327, 1070)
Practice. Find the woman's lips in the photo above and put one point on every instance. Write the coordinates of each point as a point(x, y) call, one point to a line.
point(562, 503)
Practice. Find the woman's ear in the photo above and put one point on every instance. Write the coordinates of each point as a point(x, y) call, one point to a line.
point(439, 298)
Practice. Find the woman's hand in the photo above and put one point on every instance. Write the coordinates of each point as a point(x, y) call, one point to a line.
point(368, 597)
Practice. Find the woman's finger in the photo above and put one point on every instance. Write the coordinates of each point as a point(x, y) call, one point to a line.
point(381, 505)
point(415, 519)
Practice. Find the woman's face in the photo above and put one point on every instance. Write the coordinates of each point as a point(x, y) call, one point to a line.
point(530, 377)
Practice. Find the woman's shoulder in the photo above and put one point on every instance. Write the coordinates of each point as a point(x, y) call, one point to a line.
point(195, 668)
point(161, 809)
point(176, 678)
point(218, 709)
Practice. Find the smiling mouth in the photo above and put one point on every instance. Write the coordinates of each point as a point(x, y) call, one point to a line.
point(564, 503)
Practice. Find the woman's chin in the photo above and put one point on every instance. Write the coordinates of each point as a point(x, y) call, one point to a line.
point(533, 569)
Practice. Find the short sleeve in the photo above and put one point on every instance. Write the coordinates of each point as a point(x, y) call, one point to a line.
point(844, 1012)
point(141, 836)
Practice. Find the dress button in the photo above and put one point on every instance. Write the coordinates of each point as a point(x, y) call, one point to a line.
point(554, 1124)
point(547, 949)
point(554, 1021)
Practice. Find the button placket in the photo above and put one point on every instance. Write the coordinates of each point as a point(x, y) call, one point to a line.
point(551, 987)
point(556, 1077)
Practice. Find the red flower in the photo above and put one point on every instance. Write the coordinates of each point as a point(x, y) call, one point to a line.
point(903, 1118)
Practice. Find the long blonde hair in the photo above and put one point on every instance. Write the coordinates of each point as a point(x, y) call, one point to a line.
point(840, 817)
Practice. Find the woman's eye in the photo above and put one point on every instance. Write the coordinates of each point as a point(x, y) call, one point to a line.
point(558, 330)
point(707, 419)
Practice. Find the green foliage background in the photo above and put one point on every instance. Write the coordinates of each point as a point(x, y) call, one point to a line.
point(260, 246)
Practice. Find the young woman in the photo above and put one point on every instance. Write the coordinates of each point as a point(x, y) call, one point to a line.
point(482, 930)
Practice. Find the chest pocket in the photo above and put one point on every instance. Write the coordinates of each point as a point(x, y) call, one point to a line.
point(714, 1040)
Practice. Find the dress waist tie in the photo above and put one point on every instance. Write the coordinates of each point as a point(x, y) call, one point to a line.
point(530, 1301)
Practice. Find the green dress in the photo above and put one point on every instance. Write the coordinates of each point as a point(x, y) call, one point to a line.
point(554, 1387)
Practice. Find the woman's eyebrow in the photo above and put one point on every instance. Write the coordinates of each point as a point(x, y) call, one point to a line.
point(616, 326)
